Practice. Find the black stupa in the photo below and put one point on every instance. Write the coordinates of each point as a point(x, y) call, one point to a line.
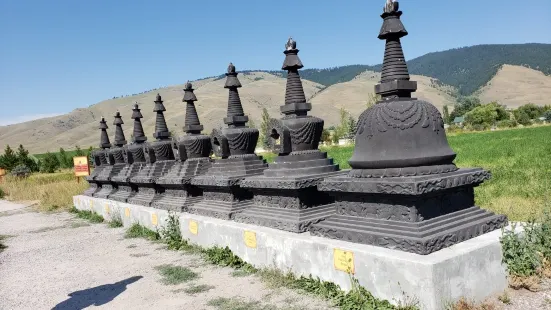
point(193, 159)
point(235, 145)
point(100, 162)
point(135, 157)
point(160, 156)
point(403, 191)
point(117, 156)
point(285, 196)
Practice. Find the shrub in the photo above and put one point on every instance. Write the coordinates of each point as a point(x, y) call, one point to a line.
point(506, 124)
point(21, 171)
point(2, 193)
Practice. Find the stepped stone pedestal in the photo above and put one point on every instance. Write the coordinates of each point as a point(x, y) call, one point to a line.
point(404, 192)
point(99, 165)
point(222, 195)
point(100, 177)
point(286, 195)
point(193, 151)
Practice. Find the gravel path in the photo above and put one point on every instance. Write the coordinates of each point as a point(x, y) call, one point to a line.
point(58, 261)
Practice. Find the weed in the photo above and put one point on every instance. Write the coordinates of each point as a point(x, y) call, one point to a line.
point(2, 193)
point(116, 221)
point(504, 298)
point(528, 254)
point(173, 275)
point(223, 303)
point(2, 245)
point(170, 233)
point(464, 304)
point(139, 231)
point(240, 273)
point(87, 215)
point(196, 289)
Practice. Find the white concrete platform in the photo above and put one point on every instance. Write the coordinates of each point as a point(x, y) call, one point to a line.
point(471, 269)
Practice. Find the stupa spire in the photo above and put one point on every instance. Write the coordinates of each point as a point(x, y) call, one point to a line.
point(192, 124)
point(138, 133)
point(236, 115)
point(161, 130)
point(120, 140)
point(295, 100)
point(395, 81)
point(104, 138)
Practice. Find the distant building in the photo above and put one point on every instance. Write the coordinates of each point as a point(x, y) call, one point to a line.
point(459, 120)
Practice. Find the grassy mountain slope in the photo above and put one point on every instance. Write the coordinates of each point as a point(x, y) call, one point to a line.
point(515, 86)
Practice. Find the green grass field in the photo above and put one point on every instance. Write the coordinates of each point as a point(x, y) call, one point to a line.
point(519, 159)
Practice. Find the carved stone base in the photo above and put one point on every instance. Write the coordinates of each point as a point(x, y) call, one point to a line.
point(144, 196)
point(293, 220)
point(419, 214)
point(106, 190)
point(177, 199)
point(123, 193)
point(90, 191)
point(421, 237)
point(287, 203)
point(222, 202)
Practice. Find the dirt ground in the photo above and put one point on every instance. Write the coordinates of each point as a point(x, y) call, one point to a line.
point(56, 261)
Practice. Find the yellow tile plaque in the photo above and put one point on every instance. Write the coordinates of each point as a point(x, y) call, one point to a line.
point(250, 239)
point(106, 208)
point(127, 212)
point(154, 219)
point(343, 260)
point(193, 227)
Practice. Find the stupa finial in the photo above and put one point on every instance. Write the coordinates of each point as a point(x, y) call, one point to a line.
point(295, 100)
point(104, 138)
point(192, 124)
point(161, 130)
point(120, 140)
point(236, 116)
point(138, 134)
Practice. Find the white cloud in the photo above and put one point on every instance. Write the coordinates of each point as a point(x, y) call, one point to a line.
point(25, 118)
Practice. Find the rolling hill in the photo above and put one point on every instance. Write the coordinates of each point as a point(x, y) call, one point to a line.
point(441, 77)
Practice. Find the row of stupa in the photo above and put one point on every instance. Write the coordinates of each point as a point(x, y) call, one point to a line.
point(403, 192)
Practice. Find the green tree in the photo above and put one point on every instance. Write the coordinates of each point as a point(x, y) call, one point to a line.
point(531, 110)
point(446, 115)
point(64, 160)
point(9, 160)
point(23, 158)
point(485, 116)
point(50, 163)
point(78, 151)
point(523, 118)
point(352, 127)
point(464, 105)
point(325, 136)
point(264, 128)
point(343, 128)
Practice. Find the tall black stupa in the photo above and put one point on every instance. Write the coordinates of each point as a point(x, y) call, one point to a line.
point(404, 192)
point(286, 195)
point(101, 163)
point(193, 159)
point(136, 159)
point(160, 160)
point(222, 195)
point(117, 155)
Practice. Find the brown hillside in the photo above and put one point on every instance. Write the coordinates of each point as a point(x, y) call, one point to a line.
point(514, 86)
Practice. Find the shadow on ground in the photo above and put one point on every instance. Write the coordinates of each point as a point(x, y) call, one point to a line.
point(97, 296)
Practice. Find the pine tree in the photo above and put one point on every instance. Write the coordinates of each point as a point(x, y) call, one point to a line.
point(64, 159)
point(9, 160)
point(446, 115)
point(24, 159)
point(78, 151)
point(352, 127)
point(50, 163)
point(264, 128)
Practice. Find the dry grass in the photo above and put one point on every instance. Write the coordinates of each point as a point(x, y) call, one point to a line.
point(55, 191)
point(464, 304)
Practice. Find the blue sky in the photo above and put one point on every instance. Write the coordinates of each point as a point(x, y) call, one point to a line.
point(59, 55)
